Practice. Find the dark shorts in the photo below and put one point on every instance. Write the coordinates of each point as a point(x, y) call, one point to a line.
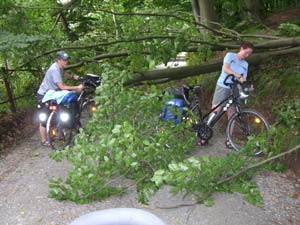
point(39, 98)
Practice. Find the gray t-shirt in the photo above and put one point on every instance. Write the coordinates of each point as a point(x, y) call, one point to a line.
point(52, 77)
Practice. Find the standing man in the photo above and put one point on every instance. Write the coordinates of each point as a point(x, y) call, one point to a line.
point(235, 64)
point(53, 81)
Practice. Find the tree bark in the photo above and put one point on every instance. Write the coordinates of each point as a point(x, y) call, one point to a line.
point(11, 99)
point(196, 10)
point(207, 12)
point(204, 13)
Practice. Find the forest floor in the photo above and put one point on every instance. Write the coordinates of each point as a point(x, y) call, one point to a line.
point(25, 170)
point(283, 16)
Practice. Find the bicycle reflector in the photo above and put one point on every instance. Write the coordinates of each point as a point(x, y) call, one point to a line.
point(257, 120)
point(52, 107)
point(53, 132)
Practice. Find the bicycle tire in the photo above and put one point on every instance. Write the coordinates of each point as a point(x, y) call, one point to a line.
point(59, 137)
point(244, 124)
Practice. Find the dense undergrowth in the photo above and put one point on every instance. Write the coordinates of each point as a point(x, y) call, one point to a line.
point(14, 127)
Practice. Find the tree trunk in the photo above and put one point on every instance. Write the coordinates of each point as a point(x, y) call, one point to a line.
point(196, 10)
point(11, 99)
point(204, 13)
point(207, 12)
point(189, 71)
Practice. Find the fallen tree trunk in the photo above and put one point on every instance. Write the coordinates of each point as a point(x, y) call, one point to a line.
point(169, 74)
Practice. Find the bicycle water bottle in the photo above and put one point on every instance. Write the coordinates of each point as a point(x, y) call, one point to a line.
point(211, 117)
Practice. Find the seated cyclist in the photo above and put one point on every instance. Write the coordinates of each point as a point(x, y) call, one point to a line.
point(53, 81)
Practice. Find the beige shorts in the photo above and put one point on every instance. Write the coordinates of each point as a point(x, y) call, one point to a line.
point(220, 94)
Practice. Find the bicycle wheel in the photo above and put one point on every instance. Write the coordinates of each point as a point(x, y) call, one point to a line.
point(245, 124)
point(88, 108)
point(195, 109)
point(58, 136)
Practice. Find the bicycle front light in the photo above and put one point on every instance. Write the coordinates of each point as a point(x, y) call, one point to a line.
point(64, 116)
point(43, 116)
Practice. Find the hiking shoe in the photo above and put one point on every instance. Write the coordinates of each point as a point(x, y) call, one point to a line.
point(202, 142)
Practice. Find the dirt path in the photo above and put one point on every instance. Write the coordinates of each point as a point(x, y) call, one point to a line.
point(25, 171)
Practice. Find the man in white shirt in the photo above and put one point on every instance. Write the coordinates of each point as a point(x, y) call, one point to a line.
point(53, 81)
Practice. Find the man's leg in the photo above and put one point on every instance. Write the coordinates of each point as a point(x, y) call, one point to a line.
point(43, 133)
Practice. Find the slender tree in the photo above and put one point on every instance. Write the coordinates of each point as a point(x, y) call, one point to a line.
point(204, 12)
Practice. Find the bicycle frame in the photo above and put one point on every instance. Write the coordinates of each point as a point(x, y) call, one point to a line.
point(222, 107)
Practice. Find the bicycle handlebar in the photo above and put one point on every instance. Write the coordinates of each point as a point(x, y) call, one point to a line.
point(233, 80)
point(227, 77)
point(89, 82)
point(244, 88)
point(191, 88)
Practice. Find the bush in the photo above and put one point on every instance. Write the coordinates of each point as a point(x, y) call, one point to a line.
point(289, 29)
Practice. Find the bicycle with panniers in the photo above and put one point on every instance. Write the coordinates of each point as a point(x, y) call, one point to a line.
point(242, 125)
point(64, 120)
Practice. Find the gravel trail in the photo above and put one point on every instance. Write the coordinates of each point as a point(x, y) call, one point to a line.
point(24, 180)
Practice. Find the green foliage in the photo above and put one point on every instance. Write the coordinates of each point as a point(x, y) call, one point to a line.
point(125, 142)
point(289, 29)
point(278, 81)
point(288, 114)
point(203, 176)
point(230, 12)
point(9, 41)
point(286, 134)
point(203, 55)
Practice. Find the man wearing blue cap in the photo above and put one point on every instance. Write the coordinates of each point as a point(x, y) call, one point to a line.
point(53, 81)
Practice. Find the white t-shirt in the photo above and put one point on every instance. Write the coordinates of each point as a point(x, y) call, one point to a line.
point(238, 66)
point(52, 77)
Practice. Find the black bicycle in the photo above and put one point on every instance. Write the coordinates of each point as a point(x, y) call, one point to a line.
point(64, 120)
point(244, 123)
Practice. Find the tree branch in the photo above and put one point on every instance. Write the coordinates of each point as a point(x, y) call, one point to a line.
point(296, 148)
point(55, 23)
point(228, 179)
point(98, 57)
